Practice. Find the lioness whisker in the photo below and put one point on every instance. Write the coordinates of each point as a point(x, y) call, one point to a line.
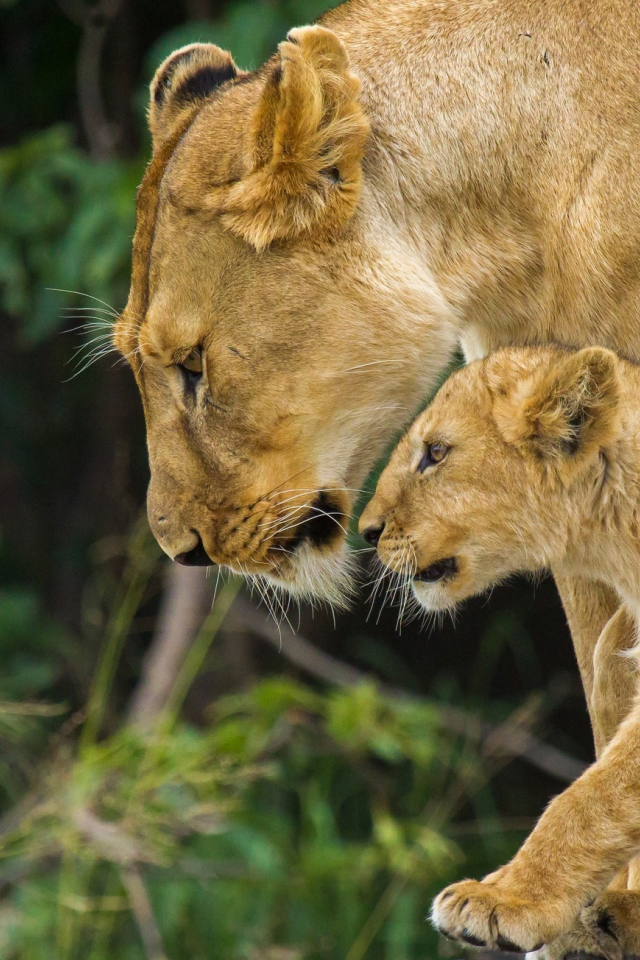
point(316, 512)
point(89, 325)
point(79, 293)
point(93, 358)
point(278, 521)
point(256, 583)
point(290, 513)
point(285, 610)
point(90, 349)
point(277, 487)
point(94, 310)
point(323, 489)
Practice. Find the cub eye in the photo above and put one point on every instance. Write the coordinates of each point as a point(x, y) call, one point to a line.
point(434, 453)
point(191, 369)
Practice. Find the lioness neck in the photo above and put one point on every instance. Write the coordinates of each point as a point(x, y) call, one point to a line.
point(508, 134)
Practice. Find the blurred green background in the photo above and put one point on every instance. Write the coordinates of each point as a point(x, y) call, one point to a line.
point(215, 789)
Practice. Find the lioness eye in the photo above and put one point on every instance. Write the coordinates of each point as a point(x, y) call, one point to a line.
point(434, 453)
point(191, 370)
point(193, 363)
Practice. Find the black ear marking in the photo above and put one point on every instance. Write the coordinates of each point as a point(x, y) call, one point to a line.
point(576, 422)
point(333, 174)
point(196, 85)
point(163, 83)
point(204, 81)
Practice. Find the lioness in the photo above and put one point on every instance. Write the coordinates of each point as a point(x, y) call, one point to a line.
point(316, 237)
point(530, 459)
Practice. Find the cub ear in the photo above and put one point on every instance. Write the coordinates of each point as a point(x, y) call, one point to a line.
point(569, 412)
point(188, 75)
point(306, 145)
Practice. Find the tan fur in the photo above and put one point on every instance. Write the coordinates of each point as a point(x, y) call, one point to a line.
point(310, 108)
point(171, 100)
point(542, 470)
point(496, 199)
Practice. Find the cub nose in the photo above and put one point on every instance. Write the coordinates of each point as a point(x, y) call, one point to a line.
point(196, 557)
point(372, 534)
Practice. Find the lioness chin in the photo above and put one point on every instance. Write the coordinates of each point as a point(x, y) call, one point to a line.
point(526, 460)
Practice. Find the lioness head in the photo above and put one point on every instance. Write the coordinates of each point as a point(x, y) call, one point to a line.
point(267, 312)
point(500, 474)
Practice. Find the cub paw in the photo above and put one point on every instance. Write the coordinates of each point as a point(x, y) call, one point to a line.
point(487, 915)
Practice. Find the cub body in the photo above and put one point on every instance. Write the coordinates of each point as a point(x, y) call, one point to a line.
point(525, 460)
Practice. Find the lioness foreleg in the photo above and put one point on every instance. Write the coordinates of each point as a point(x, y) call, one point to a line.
point(615, 676)
point(586, 835)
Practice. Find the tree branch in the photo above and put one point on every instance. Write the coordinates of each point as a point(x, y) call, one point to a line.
point(95, 18)
point(186, 601)
point(142, 910)
point(511, 738)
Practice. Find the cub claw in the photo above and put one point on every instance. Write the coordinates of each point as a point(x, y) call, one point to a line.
point(503, 944)
point(471, 940)
point(583, 956)
point(447, 936)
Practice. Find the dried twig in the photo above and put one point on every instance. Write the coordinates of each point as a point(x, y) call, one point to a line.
point(186, 602)
point(142, 910)
point(95, 20)
point(118, 847)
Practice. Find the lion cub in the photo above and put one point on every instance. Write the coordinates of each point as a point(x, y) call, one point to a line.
point(525, 460)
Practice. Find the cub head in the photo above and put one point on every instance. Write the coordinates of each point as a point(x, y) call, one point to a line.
point(500, 474)
point(275, 338)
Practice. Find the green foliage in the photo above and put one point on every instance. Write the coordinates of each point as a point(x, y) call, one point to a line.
point(250, 29)
point(33, 650)
point(31, 646)
point(65, 222)
point(299, 819)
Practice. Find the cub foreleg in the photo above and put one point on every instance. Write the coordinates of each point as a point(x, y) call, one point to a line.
point(584, 838)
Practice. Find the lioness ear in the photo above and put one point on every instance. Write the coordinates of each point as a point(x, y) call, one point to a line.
point(571, 411)
point(307, 143)
point(186, 76)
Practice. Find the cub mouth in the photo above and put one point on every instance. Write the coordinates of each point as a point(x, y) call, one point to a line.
point(440, 570)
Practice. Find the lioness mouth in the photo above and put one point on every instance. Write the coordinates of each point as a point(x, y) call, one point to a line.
point(323, 525)
point(197, 557)
point(440, 570)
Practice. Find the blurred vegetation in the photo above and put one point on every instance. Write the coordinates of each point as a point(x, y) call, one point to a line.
point(294, 822)
point(264, 815)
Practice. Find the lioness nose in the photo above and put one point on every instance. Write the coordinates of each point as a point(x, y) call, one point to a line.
point(372, 535)
point(197, 557)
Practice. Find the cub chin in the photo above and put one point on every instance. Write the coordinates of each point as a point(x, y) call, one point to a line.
point(525, 460)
